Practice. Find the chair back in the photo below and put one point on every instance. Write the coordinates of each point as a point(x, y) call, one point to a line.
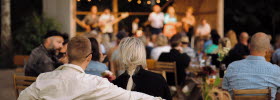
point(20, 60)
point(22, 82)
point(167, 67)
point(252, 94)
point(151, 64)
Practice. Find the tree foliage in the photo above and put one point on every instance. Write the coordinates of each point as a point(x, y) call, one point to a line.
point(30, 34)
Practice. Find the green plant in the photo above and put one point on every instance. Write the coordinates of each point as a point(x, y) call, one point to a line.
point(30, 34)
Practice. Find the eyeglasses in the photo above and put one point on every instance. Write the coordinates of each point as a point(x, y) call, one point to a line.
point(185, 43)
point(88, 54)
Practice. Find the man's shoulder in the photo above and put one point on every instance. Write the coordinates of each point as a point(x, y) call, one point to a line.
point(69, 77)
point(165, 56)
point(38, 50)
point(237, 63)
point(277, 52)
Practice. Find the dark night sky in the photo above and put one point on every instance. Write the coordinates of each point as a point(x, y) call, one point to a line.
point(240, 15)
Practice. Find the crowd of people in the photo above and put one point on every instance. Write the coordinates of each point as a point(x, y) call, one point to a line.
point(74, 69)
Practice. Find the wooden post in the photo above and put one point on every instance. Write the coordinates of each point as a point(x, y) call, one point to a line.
point(220, 17)
point(115, 10)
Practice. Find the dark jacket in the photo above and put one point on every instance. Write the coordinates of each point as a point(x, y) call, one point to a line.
point(146, 82)
point(236, 53)
point(41, 60)
point(182, 62)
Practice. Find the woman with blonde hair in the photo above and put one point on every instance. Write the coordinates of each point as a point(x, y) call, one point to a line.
point(231, 35)
point(132, 56)
point(189, 22)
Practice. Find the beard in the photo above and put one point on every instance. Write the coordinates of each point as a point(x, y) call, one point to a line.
point(54, 50)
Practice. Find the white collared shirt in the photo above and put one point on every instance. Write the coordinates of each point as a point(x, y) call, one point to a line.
point(204, 30)
point(70, 82)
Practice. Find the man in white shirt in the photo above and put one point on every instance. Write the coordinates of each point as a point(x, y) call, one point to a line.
point(106, 21)
point(70, 82)
point(204, 29)
point(156, 19)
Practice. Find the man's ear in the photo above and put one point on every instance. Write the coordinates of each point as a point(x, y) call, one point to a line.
point(89, 58)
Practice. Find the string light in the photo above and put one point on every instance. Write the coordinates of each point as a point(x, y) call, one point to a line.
point(158, 1)
point(139, 1)
point(148, 2)
point(129, 0)
point(166, 0)
point(89, 0)
point(78, 0)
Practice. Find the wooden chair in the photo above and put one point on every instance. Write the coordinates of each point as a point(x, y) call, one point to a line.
point(22, 82)
point(20, 60)
point(252, 94)
point(151, 64)
point(167, 67)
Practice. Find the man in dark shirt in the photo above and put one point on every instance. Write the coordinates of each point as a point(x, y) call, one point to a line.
point(44, 57)
point(182, 60)
point(239, 51)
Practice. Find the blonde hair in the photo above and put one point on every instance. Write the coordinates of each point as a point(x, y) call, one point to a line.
point(190, 9)
point(232, 37)
point(161, 40)
point(224, 42)
point(132, 52)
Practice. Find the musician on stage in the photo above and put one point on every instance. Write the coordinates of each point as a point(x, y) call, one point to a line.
point(107, 20)
point(90, 22)
point(189, 22)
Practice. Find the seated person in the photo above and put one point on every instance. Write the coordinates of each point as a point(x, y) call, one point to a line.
point(95, 67)
point(253, 72)
point(136, 78)
point(176, 55)
point(44, 57)
point(69, 81)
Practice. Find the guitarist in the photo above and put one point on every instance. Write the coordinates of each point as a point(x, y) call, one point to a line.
point(107, 20)
point(189, 23)
point(90, 22)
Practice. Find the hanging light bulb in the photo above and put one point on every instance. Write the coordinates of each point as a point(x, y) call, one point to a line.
point(158, 1)
point(89, 0)
point(139, 1)
point(166, 0)
point(129, 0)
point(78, 0)
point(148, 2)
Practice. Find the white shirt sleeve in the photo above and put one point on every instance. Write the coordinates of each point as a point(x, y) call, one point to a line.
point(28, 94)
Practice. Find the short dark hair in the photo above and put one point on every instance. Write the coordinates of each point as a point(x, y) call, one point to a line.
point(66, 38)
point(215, 36)
point(78, 49)
point(95, 49)
point(175, 40)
